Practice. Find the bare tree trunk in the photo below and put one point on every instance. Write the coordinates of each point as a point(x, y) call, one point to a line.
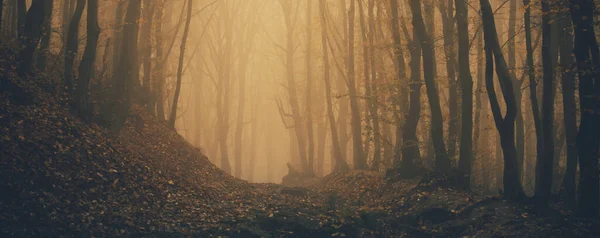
point(466, 81)
point(543, 181)
point(340, 164)
point(21, 17)
point(504, 124)
point(569, 187)
point(31, 36)
point(72, 46)
point(146, 50)
point(186, 30)
point(442, 162)
point(309, 87)
point(127, 72)
point(588, 141)
point(400, 77)
point(520, 136)
point(373, 104)
point(159, 81)
point(359, 159)
point(46, 35)
point(87, 62)
point(447, 11)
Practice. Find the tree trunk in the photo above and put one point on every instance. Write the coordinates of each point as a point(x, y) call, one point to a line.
point(520, 136)
point(504, 124)
point(87, 62)
point(359, 159)
point(287, 7)
point(34, 23)
point(146, 50)
point(46, 35)
point(588, 141)
point(159, 81)
point(127, 72)
point(21, 17)
point(569, 188)
point(309, 87)
point(442, 162)
point(447, 12)
point(401, 78)
point(543, 181)
point(410, 141)
point(72, 46)
point(340, 164)
point(466, 81)
point(173, 116)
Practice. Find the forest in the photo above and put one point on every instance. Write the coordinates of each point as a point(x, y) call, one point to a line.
point(299, 118)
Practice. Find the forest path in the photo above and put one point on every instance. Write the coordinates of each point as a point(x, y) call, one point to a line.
point(65, 177)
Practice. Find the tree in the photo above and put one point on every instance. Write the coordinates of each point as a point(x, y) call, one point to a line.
point(146, 48)
point(588, 139)
point(442, 162)
point(359, 159)
point(186, 30)
point(447, 11)
point(89, 58)
point(288, 10)
point(46, 35)
point(466, 82)
point(127, 71)
point(569, 187)
point(21, 17)
point(34, 23)
point(504, 124)
point(72, 46)
point(543, 181)
point(339, 164)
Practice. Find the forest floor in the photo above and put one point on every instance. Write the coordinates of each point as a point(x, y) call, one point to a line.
point(65, 177)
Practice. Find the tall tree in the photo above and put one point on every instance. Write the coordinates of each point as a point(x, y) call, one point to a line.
point(466, 81)
point(31, 36)
point(512, 35)
point(127, 72)
point(504, 124)
point(588, 140)
point(339, 164)
point(89, 58)
point(186, 30)
point(400, 68)
point(442, 162)
point(569, 187)
point(288, 10)
point(46, 35)
point(543, 181)
point(148, 8)
point(446, 8)
point(72, 46)
point(21, 17)
point(309, 87)
point(359, 159)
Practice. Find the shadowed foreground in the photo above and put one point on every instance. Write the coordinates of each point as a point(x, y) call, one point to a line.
point(65, 177)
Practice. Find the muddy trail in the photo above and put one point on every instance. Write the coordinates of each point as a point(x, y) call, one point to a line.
point(63, 177)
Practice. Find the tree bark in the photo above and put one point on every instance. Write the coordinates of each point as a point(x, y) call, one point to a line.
point(442, 162)
point(401, 78)
point(186, 30)
point(339, 165)
point(359, 159)
point(72, 46)
point(543, 181)
point(447, 11)
point(21, 17)
point(466, 81)
point(127, 72)
point(588, 141)
point(31, 36)
point(146, 50)
point(504, 124)
point(569, 187)
point(87, 62)
point(46, 35)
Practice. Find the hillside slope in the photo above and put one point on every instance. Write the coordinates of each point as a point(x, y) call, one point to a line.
point(65, 177)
